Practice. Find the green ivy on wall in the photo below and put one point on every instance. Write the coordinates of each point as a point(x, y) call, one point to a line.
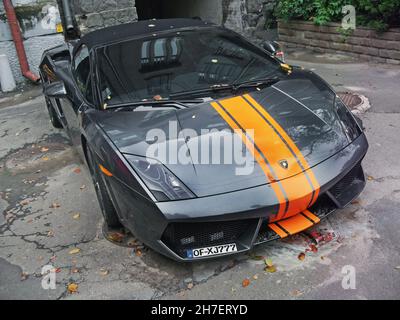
point(377, 14)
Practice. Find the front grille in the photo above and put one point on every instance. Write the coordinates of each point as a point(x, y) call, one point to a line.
point(180, 237)
point(323, 206)
point(349, 186)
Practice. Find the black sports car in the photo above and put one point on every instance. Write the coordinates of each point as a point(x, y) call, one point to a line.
point(143, 102)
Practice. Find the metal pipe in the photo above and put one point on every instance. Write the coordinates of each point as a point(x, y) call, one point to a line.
point(18, 41)
point(69, 22)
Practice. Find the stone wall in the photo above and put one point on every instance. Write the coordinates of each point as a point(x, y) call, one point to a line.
point(96, 14)
point(252, 18)
point(362, 43)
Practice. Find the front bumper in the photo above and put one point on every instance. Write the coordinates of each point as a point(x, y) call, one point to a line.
point(243, 216)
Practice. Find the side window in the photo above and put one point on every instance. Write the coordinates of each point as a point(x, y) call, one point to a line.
point(81, 69)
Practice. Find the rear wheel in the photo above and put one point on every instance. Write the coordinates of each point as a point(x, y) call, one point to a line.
point(106, 206)
point(53, 115)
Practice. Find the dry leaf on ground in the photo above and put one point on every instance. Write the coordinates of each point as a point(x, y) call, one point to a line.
point(245, 283)
point(301, 256)
point(116, 236)
point(24, 202)
point(55, 205)
point(74, 251)
point(104, 272)
point(72, 288)
point(313, 248)
point(268, 262)
point(270, 269)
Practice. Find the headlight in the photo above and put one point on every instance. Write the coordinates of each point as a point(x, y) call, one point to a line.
point(161, 182)
point(349, 123)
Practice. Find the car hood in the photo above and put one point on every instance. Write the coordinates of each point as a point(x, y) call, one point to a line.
point(302, 105)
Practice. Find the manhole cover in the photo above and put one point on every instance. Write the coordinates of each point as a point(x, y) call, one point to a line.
point(352, 100)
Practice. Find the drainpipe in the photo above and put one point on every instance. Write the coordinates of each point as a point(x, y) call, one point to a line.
point(18, 42)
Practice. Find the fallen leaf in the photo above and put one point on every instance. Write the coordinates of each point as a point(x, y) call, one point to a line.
point(132, 243)
point(50, 233)
point(104, 272)
point(24, 202)
point(45, 159)
point(301, 256)
point(190, 286)
point(76, 216)
point(313, 248)
point(83, 187)
point(370, 178)
point(270, 269)
point(24, 276)
point(245, 283)
point(74, 251)
point(44, 149)
point(72, 288)
point(296, 293)
point(55, 205)
point(77, 170)
point(138, 253)
point(75, 270)
point(115, 236)
point(268, 262)
point(57, 270)
point(255, 277)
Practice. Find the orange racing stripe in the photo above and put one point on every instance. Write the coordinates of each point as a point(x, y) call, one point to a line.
point(274, 149)
point(256, 154)
point(303, 162)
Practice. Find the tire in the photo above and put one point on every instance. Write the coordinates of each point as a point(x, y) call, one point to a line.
point(106, 206)
point(53, 115)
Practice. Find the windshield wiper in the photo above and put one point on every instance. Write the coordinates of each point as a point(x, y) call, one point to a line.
point(234, 87)
point(180, 103)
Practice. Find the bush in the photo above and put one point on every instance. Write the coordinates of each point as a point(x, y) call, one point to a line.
point(377, 14)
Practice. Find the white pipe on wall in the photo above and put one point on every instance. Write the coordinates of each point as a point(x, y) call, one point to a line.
point(7, 81)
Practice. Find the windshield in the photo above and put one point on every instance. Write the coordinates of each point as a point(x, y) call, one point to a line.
point(179, 62)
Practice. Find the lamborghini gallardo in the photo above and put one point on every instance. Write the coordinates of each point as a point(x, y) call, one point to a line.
point(142, 103)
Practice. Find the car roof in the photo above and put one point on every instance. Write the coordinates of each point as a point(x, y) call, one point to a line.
point(127, 31)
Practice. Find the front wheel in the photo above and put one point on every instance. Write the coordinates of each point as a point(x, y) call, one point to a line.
point(106, 206)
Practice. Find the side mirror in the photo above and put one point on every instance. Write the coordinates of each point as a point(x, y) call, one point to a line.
point(55, 90)
point(274, 48)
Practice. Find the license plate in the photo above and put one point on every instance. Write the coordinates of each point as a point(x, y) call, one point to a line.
point(211, 251)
